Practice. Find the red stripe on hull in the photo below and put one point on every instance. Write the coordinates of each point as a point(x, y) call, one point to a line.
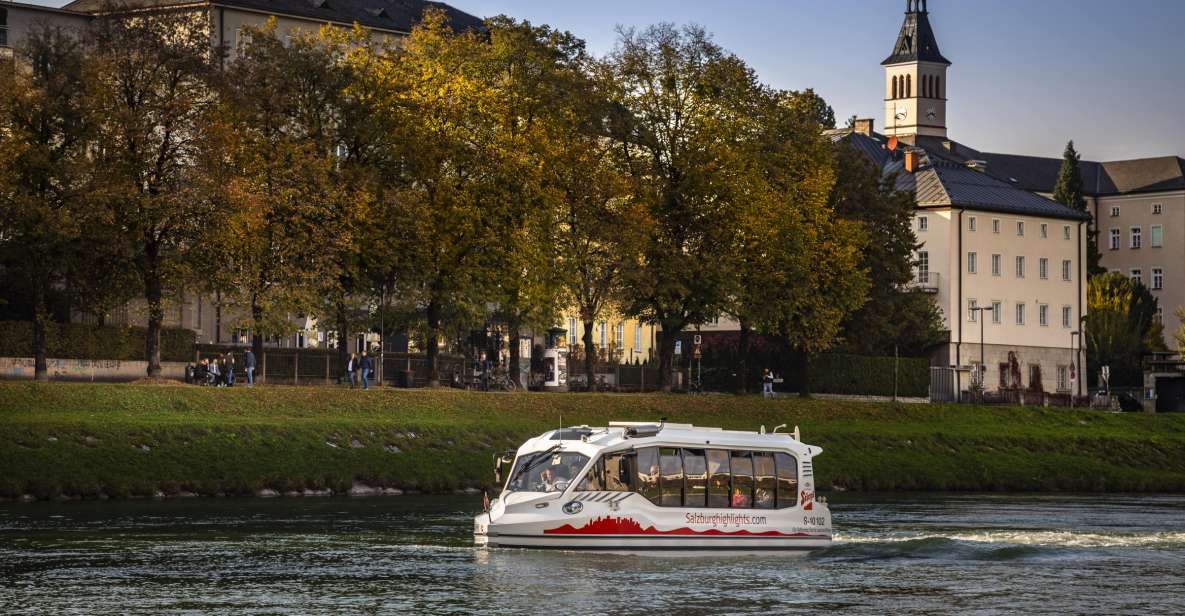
point(628, 526)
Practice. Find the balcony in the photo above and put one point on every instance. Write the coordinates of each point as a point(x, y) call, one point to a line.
point(925, 282)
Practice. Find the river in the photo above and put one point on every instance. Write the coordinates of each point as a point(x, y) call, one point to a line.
point(909, 554)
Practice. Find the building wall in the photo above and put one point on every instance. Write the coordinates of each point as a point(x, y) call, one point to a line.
point(226, 26)
point(1136, 212)
point(22, 19)
point(628, 340)
point(958, 286)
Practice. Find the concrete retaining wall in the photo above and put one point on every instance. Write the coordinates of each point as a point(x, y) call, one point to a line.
point(88, 369)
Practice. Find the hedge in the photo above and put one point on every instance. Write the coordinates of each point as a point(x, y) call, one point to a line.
point(856, 374)
point(74, 341)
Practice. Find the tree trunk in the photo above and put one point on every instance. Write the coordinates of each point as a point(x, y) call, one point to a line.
point(666, 356)
point(153, 294)
point(515, 359)
point(745, 343)
point(432, 316)
point(804, 371)
point(590, 356)
point(257, 338)
point(343, 339)
point(41, 320)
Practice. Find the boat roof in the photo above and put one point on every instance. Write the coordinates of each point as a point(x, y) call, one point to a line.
point(630, 435)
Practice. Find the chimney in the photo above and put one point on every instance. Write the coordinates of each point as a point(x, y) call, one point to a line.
point(913, 160)
point(863, 126)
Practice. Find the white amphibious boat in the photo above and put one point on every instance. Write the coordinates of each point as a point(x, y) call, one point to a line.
point(664, 486)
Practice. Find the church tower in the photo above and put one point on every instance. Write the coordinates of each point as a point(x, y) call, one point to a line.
point(915, 79)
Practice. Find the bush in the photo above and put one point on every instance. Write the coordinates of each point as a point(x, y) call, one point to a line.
point(857, 374)
point(74, 341)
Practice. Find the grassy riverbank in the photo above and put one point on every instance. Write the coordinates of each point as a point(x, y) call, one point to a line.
point(128, 440)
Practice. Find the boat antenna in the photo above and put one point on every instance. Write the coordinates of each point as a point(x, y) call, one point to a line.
point(778, 427)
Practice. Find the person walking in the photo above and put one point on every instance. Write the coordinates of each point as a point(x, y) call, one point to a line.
point(230, 369)
point(767, 384)
point(366, 368)
point(249, 366)
point(351, 368)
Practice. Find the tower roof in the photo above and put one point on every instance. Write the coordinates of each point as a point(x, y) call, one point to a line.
point(916, 42)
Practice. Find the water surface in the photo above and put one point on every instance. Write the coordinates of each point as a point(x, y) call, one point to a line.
point(907, 554)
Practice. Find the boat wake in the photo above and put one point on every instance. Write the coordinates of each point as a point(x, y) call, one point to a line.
point(990, 545)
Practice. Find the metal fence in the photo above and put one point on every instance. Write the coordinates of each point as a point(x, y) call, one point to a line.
point(324, 367)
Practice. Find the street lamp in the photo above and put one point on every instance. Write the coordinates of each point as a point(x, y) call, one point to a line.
point(978, 312)
point(1074, 366)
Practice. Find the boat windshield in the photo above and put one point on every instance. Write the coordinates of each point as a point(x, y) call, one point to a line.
point(545, 471)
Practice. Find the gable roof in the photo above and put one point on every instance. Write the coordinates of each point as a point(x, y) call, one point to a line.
point(943, 181)
point(1037, 173)
point(391, 15)
point(916, 41)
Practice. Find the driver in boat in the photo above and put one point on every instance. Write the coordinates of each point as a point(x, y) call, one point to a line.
point(551, 480)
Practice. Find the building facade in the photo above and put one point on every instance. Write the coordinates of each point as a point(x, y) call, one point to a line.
point(1005, 266)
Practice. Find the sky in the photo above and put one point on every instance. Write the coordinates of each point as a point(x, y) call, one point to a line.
point(1027, 75)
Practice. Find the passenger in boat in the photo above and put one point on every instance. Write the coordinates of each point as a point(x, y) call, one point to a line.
point(764, 499)
point(739, 499)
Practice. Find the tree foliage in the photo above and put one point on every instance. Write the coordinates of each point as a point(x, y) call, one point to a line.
point(894, 318)
point(148, 91)
point(1120, 314)
point(1069, 191)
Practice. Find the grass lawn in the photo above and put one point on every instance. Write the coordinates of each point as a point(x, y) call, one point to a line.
point(127, 440)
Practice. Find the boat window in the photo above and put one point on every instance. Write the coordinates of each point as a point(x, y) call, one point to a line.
point(648, 471)
point(765, 483)
point(672, 477)
point(719, 479)
point(594, 480)
point(787, 480)
point(742, 480)
point(545, 471)
point(695, 467)
point(619, 472)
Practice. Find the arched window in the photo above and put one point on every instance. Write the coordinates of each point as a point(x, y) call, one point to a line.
point(937, 87)
point(894, 86)
point(908, 86)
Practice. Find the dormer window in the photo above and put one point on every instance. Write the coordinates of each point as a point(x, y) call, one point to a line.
point(378, 12)
point(321, 4)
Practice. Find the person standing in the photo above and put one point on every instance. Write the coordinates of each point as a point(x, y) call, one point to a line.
point(230, 369)
point(366, 368)
point(215, 373)
point(351, 368)
point(767, 384)
point(249, 366)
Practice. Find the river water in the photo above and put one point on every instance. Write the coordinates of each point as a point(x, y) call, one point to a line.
point(907, 554)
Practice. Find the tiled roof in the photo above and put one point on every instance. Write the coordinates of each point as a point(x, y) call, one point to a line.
point(1039, 174)
point(941, 180)
point(393, 15)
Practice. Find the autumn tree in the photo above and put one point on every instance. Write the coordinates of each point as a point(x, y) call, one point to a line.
point(785, 231)
point(599, 221)
point(440, 215)
point(43, 137)
point(1120, 314)
point(147, 92)
point(277, 171)
point(687, 102)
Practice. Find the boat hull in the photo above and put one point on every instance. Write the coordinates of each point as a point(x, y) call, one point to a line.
point(630, 523)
